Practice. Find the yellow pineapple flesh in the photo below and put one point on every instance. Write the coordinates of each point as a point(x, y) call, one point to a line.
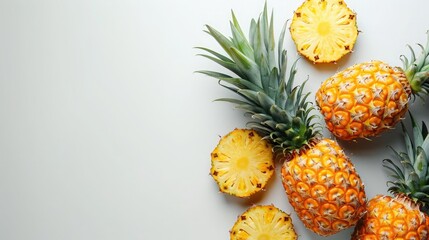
point(364, 100)
point(263, 223)
point(392, 218)
point(324, 30)
point(324, 188)
point(242, 163)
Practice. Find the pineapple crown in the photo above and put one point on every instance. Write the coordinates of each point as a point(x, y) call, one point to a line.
point(417, 69)
point(412, 178)
point(279, 110)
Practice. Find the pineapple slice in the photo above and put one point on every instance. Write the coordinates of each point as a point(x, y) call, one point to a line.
point(263, 223)
point(242, 163)
point(324, 30)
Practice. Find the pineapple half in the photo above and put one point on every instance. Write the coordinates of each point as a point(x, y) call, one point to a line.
point(369, 98)
point(321, 173)
point(403, 216)
point(324, 30)
point(242, 163)
point(263, 223)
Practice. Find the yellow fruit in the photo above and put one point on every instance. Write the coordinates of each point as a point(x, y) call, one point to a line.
point(281, 113)
point(242, 163)
point(364, 100)
point(263, 223)
point(392, 218)
point(403, 216)
point(324, 30)
point(324, 188)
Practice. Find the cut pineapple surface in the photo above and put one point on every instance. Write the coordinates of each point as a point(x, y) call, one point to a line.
point(263, 223)
point(242, 163)
point(324, 30)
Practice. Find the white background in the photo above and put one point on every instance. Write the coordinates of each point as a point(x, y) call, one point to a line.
point(106, 131)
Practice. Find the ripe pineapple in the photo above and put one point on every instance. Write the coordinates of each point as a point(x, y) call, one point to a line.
point(324, 188)
point(242, 163)
point(403, 216)
point(324, 30)
point(263, 222)
point(282, 114)
point(368, 98)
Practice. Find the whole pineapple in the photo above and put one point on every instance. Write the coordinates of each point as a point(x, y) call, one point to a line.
point(324, 30)
point(315, 169)
point(263, 222)
point(403, 216)
point(368, 98)
point(324, 188)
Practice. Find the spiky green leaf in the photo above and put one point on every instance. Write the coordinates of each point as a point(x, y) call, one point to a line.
point(264, 84)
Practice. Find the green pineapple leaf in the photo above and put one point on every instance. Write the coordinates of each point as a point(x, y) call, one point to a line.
point(263, 83)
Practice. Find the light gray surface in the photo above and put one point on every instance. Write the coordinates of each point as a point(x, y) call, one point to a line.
point(106, 132)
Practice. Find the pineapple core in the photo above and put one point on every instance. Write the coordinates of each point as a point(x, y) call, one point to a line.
point(324, 28)
point(242, 163)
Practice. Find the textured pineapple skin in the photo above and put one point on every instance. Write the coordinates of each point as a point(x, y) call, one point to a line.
point(324, 188)
point(364, 100)
point(392, 218)
point(263, 222)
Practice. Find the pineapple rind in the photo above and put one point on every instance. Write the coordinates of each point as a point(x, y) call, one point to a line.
point(405, 215)
point(364, 100)
point(324, 30)
point(324, 188)
point(238, 178)
point(392, 218)
point(263, 222)
point(355, 118)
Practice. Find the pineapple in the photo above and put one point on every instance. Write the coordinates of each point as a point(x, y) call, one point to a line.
point(324, 188)
point(403, 216)
point(324, 30)
point(242, 163)
point(263, 223)
point(366, 99)
point(314, 168)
